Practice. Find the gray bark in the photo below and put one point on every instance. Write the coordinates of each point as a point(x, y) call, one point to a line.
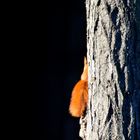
point(113, 45)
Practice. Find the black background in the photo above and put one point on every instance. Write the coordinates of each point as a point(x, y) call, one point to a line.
point(57, 34)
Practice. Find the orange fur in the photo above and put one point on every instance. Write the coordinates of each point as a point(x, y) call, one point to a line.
point(80, 94)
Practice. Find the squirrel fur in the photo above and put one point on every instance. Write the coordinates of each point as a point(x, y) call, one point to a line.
point(79, 96)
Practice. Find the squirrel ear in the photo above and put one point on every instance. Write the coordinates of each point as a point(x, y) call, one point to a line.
point(85, 61)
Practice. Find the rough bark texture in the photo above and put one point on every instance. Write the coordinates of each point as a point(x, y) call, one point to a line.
point(114, 81)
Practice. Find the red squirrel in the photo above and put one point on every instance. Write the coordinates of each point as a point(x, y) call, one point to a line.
point(79, 96)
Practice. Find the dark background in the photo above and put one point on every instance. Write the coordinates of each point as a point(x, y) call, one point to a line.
point(58, 37)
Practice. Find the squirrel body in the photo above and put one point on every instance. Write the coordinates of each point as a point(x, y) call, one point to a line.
point(79, 96)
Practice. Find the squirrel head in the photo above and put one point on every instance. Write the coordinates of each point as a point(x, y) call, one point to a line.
point(84, 75)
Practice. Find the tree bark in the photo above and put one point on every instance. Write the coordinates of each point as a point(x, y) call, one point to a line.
point(114, 71)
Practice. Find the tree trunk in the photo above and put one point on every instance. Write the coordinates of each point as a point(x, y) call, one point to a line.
point(114, 71)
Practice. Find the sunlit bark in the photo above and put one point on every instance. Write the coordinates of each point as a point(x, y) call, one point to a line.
point(114, 81)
